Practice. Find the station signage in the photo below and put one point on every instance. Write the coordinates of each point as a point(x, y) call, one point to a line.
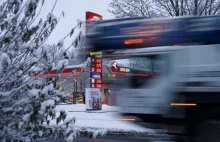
point(115, 68)
point(122, 69)
point(96, 72)
point(94, 102)
point(95, 75)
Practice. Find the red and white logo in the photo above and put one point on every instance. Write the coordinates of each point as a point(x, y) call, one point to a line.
point(91, 16)
point(115, 67)
point(95, 18)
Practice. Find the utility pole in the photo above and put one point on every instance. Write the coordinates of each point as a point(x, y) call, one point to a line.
point(81, 83)
point(75, 91)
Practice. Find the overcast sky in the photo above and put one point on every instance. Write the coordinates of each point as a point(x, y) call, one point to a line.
point(73, 9)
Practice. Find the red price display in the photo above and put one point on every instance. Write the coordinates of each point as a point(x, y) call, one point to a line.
point(99, 81)
point(96, 60)
point(95, 81)
point(95, 85)
point(93, 69)
point(98, 70)
point(98, 65)
point(98, 85)
point(99, 61)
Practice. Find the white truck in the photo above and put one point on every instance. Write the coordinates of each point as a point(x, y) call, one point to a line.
point(186, 90)
point(186, 94)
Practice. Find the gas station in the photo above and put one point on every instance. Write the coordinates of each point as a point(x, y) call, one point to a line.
point(99, 76)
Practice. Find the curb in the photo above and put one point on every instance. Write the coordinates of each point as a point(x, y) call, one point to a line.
point(135, 135)
point(138, 134)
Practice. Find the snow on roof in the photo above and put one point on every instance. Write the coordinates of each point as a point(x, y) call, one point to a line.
point(74, 66)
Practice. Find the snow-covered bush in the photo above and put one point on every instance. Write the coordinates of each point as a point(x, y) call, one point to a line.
point(27, 103)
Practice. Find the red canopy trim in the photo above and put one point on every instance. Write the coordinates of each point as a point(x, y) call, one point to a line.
point(66, 71)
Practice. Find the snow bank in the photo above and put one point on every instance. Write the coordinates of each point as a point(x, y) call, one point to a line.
point(81, 107)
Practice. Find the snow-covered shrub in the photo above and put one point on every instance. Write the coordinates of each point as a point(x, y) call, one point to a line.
point(27, 104)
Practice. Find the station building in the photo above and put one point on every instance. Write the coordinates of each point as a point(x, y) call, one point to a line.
point(111, 72)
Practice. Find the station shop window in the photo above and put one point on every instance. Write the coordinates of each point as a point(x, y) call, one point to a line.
point(155, 65)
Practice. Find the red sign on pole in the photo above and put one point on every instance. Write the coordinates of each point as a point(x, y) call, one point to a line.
point(92, 16)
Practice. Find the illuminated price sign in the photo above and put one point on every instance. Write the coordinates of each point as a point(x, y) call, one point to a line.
point(98, 65)
point(93, 69)
point(95, 60)
point(98, 85)
point(99, 70)
point(96, 73)
point(98, 60)
point(98, 81)
point(95, 81)
point(95, 85)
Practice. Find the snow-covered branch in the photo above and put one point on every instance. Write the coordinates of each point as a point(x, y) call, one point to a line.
point(27, 104)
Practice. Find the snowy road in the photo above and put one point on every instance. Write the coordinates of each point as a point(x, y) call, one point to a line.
point(105, 118)
point(117, 131)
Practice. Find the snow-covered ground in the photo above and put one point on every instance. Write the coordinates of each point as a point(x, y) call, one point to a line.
point(105, 118)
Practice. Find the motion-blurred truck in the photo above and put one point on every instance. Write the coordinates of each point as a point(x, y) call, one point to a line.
point(186, 53)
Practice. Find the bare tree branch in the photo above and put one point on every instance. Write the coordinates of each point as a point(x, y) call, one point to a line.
point(155, 8)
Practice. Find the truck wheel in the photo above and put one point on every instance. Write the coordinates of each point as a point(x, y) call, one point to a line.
point(208, 131)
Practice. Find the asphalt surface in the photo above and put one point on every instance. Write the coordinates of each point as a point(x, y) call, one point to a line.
point(79, 139)
point(120, 138)
point(110, 139)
